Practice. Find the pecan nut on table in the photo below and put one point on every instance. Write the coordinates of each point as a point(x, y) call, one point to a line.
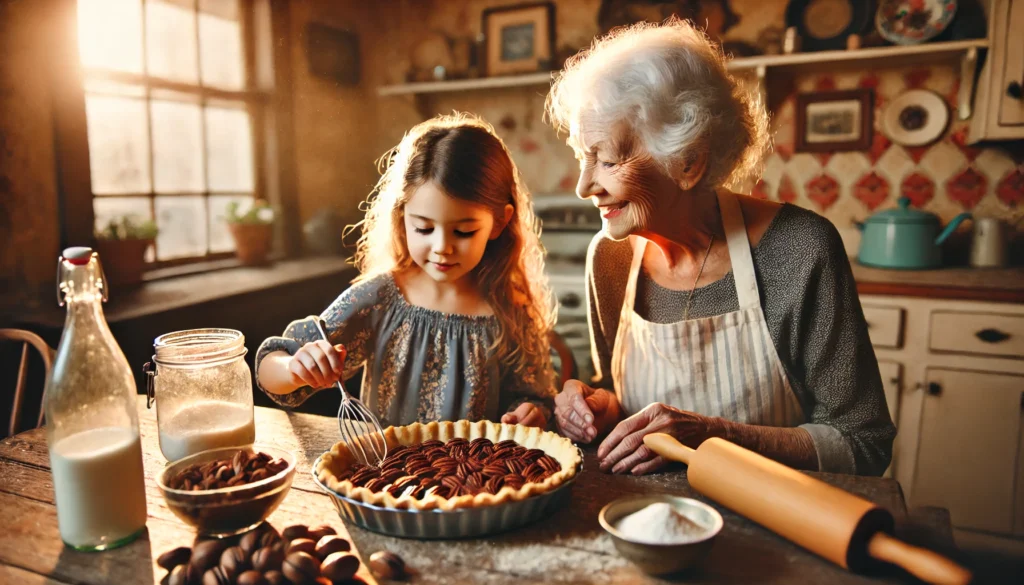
point(299, 555)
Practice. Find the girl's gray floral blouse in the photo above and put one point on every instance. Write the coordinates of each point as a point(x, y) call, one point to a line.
point(420, 365)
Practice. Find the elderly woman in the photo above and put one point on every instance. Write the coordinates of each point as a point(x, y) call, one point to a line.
point(712, 314)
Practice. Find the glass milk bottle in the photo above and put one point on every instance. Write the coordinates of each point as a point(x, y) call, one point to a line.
point(203, 391)
point(92, 427)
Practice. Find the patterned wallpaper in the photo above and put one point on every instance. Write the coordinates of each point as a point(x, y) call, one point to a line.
point(946, 178)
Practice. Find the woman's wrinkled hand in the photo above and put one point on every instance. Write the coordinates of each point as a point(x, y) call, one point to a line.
point(526, 414)
point(583, 413)
point(623, 451)
point(318, 364)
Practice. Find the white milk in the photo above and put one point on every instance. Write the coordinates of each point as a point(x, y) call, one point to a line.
point(206, 425)
point(100, 487)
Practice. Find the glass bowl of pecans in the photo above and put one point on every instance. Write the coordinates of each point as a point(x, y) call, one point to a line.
point(227, 491)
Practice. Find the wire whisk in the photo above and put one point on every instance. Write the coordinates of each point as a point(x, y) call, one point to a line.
point(360, 430)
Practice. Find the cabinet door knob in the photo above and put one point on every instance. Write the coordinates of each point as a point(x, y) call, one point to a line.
point(992, 335)
point(1014, 90)
point(934, 389)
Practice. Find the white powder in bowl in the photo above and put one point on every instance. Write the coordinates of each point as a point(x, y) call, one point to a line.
point(658, 523)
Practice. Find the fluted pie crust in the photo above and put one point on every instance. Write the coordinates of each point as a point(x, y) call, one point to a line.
point(334, 463)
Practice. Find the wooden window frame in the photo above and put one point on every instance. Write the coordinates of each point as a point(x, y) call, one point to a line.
point(266, 52)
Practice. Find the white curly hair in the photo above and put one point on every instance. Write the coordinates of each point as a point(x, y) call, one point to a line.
point(668, 83)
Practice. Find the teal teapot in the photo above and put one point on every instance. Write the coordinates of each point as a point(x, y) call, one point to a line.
point(904, 238)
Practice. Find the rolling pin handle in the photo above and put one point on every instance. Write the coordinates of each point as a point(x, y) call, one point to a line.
point(922, 563)
point(668, 447)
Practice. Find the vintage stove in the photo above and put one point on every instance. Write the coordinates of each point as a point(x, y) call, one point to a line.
point(568, 225)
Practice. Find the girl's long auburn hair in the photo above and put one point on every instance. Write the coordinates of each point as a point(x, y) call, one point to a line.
point(467, 160)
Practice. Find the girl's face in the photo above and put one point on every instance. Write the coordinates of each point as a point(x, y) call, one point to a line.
point(627, 185)
point(446, 236)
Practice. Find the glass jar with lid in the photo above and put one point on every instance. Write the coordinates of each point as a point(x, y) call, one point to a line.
point(203, 391)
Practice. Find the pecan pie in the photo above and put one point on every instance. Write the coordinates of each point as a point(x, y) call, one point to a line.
point(450, 465)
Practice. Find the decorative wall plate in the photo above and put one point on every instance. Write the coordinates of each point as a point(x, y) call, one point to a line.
point(824, 24)
point(915, 118)
point(910, 22)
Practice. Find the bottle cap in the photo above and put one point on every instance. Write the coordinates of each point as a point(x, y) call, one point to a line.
point(78, 255)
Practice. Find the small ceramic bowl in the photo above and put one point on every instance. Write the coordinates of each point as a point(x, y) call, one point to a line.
point(663, 559)
point(231, 510)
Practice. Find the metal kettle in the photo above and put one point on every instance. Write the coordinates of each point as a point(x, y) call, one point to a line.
point(988, 243)
point(904, 238)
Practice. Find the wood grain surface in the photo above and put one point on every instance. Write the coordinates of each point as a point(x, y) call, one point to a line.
point(568, 547)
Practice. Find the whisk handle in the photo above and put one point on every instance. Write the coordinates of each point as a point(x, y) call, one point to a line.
point(318, 321)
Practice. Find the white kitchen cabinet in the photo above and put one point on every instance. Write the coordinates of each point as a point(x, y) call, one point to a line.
point(953, 374)
point(970, 438)
point(999, 105)
point(891, 382)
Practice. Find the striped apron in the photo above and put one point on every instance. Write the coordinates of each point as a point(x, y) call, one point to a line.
point(722, 366)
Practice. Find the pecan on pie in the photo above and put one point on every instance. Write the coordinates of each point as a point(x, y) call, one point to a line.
point(451, 465)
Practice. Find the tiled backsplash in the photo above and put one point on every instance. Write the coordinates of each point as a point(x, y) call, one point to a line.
point(946, 178)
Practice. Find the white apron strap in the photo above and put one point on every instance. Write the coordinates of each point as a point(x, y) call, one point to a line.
point(639, 247)
point(739, 250)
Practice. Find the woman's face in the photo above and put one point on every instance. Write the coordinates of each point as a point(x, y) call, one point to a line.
point(626, 184)
point(446, 236)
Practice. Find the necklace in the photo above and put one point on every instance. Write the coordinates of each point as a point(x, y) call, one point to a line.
point(686, 310)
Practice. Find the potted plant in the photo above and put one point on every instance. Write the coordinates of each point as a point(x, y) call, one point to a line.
point(252, 230)
point(122, 246)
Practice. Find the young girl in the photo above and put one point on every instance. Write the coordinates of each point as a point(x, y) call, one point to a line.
point(451, 312)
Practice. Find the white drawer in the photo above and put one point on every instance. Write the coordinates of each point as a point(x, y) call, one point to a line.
point(885, 325)
point(977, 333)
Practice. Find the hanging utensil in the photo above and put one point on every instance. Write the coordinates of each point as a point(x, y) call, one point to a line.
point(360, 430)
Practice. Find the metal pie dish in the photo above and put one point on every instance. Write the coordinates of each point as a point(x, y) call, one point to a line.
point(441, 524)
point(464, 516)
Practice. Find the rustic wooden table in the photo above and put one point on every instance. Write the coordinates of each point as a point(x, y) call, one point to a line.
point(569, 547)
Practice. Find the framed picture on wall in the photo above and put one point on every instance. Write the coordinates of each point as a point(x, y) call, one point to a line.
point(519, 39)
point(834, 120)
point(333, 53)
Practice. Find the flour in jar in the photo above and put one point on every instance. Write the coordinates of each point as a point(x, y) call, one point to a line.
point(206, 425)
point(659, 523)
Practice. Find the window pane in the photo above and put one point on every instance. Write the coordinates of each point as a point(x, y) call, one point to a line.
point(118, 144)
point(229, 148)
point(220, 236)
point(220, 48)
point(113, 88)
point(171, 41)
point(108, 208)
point(110, 34)
point(182, 223)
point(223, 8)
point(177, 147)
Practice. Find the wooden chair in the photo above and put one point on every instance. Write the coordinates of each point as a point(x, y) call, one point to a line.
point(26, 338)
point(568, 369)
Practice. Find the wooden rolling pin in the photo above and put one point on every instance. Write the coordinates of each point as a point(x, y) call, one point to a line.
point(845, 529)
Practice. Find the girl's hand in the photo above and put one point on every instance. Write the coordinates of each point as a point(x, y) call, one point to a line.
point(624, 451)
point(526, 414)
point(318, 364)
point(583, 413)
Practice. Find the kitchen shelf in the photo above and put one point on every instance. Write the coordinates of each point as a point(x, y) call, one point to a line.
point(542, 78)
point(893, 56)
point(889, 56)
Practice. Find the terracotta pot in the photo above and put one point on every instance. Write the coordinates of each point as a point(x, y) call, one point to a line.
point(252, 242)
point(123, 261)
